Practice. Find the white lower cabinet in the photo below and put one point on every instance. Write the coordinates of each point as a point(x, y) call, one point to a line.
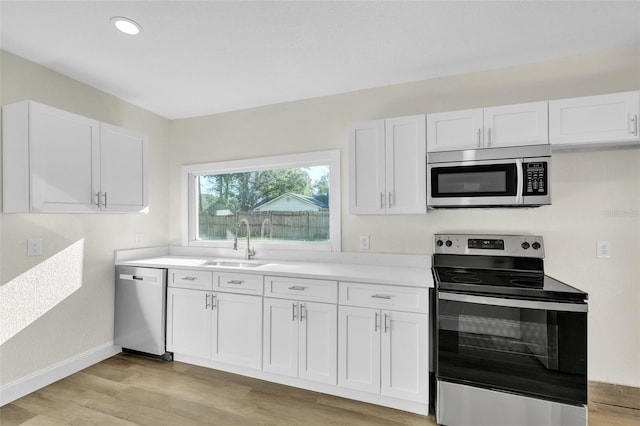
point(238, 329)
point(300, 339)
point(384, 352)
point(189, 322)
point(222, 327)
point(358, 340)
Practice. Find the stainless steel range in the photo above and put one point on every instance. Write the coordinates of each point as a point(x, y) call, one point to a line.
point(511, 342)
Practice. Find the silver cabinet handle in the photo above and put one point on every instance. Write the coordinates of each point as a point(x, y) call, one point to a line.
point(634, 125)
point(489, 141)
point(381, 200)
point(386, 318)
point(389, 199)
point(297, 288)
point(214, 301)
point(105, 200)
point(375, 323)
point(381, 296)
point(206, 303)
point(237, 282)
point(189, 278)
point(479, 137)
point(302, 312)
point(98, 199)
point(293, 311)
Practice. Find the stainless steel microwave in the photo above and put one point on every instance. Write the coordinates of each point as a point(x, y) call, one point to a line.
point(490, 177)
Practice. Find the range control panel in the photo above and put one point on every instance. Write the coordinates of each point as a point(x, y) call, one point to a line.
point(492, 245)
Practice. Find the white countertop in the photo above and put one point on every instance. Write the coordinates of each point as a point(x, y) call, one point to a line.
point(413, 276)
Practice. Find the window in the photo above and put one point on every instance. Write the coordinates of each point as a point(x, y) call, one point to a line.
point(290, 201)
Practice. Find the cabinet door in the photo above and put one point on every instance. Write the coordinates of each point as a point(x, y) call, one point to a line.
point(123, 174)
point(318, 347)
point(281, 336)
point(405, 158)
point(367, 168)
point(592, 119)
point(405, 355)
point(189, 322)
point(454, 130)
point(359, 348)
point(516, 125)
point(64, 160)
point(237, 329)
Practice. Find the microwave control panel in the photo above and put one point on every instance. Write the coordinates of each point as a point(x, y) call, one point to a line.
point(535, 178)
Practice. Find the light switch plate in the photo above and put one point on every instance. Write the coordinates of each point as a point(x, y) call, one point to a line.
point(34, 247)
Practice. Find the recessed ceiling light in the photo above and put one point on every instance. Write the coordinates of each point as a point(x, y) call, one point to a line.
point(126, 25)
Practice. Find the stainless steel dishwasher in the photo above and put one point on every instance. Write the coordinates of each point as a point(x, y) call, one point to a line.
point(140, 311)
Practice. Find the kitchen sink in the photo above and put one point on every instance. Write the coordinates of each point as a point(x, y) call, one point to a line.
point(233, 264)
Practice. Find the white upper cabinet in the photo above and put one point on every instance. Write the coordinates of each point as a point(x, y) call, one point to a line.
point(57, 161)
point(387, 166)
point(454, 130)
point(516, 125)
point(123, 169)
point(501, 126)
point(595, 120)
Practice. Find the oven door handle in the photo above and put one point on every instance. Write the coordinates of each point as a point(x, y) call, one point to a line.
point(515, 303)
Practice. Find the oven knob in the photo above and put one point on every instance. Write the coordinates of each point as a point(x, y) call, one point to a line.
point(439, 243)
point(535, 245)
point(449, 243)
point(525, 245)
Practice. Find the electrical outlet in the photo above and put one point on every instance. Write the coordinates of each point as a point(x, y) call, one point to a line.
point(604, 249)
point(364, 242)
point(34, 247)
point(139, 238)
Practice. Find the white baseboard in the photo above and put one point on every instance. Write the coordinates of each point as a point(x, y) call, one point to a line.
point(31, 383)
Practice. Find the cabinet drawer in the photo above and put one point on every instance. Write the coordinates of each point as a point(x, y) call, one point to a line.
point(302, 289)
point(410, 299)
point(239, 283)
point(201, 280)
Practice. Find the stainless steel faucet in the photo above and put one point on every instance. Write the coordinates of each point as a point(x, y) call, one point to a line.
point(249, 251)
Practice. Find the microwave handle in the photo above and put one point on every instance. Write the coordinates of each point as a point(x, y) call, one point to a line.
point(520, 175)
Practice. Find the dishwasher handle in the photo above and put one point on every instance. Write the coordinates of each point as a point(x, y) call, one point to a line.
point(130, 277)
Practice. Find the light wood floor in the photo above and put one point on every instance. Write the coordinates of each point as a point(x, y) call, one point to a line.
point(128, 390)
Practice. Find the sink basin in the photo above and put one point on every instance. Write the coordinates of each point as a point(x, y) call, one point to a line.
point(233, 264)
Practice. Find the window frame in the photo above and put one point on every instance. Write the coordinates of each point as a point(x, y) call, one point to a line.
point(307, 159)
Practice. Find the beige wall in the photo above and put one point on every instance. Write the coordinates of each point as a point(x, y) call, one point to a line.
point(84, 319)
point(606, 209)
point(596, 195)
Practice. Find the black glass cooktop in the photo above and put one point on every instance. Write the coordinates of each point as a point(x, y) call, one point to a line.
point(491, 277)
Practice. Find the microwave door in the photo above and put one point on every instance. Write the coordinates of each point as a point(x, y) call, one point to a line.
point(475, 183)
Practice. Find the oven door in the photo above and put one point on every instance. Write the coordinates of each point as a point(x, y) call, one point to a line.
point(531, 348)
point(475, 183)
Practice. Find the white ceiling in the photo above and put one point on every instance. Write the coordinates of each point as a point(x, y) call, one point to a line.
point(202, 57)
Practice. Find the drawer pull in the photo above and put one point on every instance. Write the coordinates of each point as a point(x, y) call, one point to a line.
point(189, 278)
point(237, 282)
point(297, 287)
point(381, 296)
